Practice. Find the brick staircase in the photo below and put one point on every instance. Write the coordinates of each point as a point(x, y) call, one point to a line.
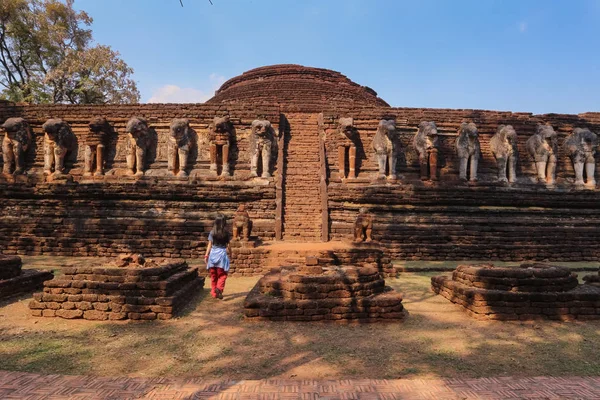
point(302, 204)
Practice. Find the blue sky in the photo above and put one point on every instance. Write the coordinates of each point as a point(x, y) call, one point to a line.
point(518, 55)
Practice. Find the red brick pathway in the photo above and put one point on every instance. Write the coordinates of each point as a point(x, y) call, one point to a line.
point(18, 385)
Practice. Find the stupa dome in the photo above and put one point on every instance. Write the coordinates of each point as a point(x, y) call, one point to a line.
point(295, 85)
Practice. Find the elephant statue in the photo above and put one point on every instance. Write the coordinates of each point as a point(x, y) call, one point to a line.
point(219, 136)
point(261, 143)
point(385, 144)
point(346, 140)
point(95, 146)
point(59, 140)
point(468, 151)
point(581, 145)
point(504, 147)
point(542, 146)
point(138, 143)
point(17, 140)
point(426, 144)
point(179, 144)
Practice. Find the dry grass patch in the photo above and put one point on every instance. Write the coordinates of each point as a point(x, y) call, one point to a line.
point(212, 340)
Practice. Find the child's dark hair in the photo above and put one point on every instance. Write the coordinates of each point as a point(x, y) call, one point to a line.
point(219, 232)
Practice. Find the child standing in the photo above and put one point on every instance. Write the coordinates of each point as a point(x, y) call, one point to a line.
point(217, 261)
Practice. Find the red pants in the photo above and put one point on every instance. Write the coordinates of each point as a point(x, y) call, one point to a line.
point(218, 276)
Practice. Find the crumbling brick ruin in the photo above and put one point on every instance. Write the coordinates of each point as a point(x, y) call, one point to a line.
point(592, 279)
point(319, 291)
point(91, 210)
point(129, 288)
point(15, 281)
point(531, 291)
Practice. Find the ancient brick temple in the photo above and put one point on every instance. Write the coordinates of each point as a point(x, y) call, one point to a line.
point(304, 149)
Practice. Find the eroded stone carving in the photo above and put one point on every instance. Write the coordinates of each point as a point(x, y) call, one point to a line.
point(363, 226)
point(542, 146)
point(138, 143)
point(346, 140)
point(242, 224)
point(385, 144)
point(220, 132)
point(95, 145)
point(468, 151)
point(17, 139)
point(426, 144)
point(581, 145)
point(504, 147)
point(261, 142)
point(58, 141)
point(178, 147)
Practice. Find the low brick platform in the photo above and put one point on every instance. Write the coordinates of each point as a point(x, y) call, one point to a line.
point(15, 281)
point(247, 259)
point(20, 385)
point(531, 291)
point(109, 292)
point(316, 293)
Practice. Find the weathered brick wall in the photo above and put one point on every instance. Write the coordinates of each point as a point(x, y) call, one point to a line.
point(163, 219)
point(155, 215)
point(452, 220)
point(486, 222)
point(159, 216)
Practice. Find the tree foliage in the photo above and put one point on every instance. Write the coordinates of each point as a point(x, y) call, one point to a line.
point(47, 56)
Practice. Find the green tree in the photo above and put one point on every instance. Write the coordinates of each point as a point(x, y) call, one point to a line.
point(46, 56)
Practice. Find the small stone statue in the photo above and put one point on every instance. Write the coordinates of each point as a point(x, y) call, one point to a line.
point(178, 146)
point(241, 224)
point(363, 226)
point(138, 142)
point(95, 144)
point(220, 132)
point(581, 145)
point(426, 143)
point(385, 145)
point(468, 150)
point(261, 142)
point(504, 147)
point(542, 146)
point(17, 140)
point(347, 135)
point(58, 141)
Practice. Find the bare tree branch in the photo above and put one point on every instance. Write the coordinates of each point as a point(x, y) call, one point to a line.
point(181, 2)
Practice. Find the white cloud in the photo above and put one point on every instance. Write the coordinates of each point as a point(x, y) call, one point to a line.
point(175, 94)
point(522, 27)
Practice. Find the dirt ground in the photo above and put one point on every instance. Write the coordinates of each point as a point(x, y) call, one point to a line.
point(211, 339)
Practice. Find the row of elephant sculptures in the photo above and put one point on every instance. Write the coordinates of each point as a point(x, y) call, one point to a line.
point(59, 140)
point(542, 146)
